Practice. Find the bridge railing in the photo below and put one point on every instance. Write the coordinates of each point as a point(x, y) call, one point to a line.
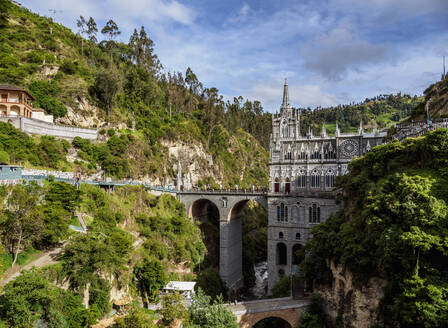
point(225, 191)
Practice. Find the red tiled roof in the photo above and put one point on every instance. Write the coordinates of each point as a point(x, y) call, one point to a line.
point(14, 88)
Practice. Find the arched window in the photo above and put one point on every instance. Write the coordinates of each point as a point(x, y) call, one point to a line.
point(277, 185)
point(287, 186)
point(329, 179)
point(280, 235)
point(295, 257)
point(314, 214)
point(285, 130)
point(281, 254)
point(288, 155)
point(301, 180)
point(298, 236)
point(282, 212)
point(315, 179)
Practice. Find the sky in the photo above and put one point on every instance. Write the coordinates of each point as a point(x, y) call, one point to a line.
point(331, 51)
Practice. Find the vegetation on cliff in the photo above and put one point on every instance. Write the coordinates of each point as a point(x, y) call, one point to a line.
point(394, 226)
point(135, 243)
point(131, 91)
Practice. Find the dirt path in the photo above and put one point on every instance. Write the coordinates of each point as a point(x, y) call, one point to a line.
point(45, 259)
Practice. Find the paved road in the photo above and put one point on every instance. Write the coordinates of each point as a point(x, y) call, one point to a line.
point(267, 305)
point(47, 258)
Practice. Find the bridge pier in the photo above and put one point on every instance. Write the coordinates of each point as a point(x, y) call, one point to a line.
point(229, 206)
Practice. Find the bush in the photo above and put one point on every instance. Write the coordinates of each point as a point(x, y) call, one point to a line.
point(69, 67)
point(282, 288)
point(4, 157)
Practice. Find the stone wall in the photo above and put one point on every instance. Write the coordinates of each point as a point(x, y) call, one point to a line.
point(33, 126)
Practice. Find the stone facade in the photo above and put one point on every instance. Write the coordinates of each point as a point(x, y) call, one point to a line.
point(302, 174)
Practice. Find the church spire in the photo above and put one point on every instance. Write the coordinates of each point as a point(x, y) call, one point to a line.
point(285, 103)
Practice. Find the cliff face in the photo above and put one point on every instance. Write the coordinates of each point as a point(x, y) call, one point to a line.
point(436, 97)
point(348, 303)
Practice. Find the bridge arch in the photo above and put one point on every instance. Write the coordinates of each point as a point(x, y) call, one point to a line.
point(274, 321)
point(201, 207)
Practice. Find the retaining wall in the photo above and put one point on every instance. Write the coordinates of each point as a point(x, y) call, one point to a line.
point(32, 126)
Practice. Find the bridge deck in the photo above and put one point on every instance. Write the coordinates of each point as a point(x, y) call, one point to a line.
point(266, 305)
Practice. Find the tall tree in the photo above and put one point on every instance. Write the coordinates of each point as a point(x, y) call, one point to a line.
point(22, 220)
point(106, 87)
point(82, 29)
point(111, 30)
point(192, 81)
point(142, 51)
point(92, 30)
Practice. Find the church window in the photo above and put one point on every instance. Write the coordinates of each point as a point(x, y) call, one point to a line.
point(280, 235)
point(282, 213)
point(329, 179)
point(298, 236)
point(301, 180)
point(281, 254)
point(315, 179)
point(276, 185)
point(314, 214)
point(287, 186)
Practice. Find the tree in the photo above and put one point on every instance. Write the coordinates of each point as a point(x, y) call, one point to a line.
point(21, 223)
point(173, 308)
point(105, 88)
point(142, 51)
point(92, 29)
point(136, 318)
point(282, 288)
point(205, 314)
point(150, 278)
point(192, 81)
point(111, 30)
point(82, 29)
point(31, 300)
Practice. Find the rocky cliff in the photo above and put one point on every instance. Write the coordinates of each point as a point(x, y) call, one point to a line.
point(349, 303)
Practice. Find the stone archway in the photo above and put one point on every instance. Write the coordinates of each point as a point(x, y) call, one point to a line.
point(207, 214)
point(290, 316)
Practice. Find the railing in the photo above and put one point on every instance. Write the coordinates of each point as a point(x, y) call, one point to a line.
point(418, 129)
point(225, 191)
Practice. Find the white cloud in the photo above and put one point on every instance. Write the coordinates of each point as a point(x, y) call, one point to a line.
point(300, 95)
point(339, 50)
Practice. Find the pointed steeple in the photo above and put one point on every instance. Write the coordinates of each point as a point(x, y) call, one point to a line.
point(285, 103)
point(360, 130)
point(337, 132)
point(324, 131)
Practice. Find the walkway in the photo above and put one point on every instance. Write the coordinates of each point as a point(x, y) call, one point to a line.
point(47, 258)
point(266, 305)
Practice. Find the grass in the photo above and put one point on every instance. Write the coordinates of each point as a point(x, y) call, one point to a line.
point(23, 258)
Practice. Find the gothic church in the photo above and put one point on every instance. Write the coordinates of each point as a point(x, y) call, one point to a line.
point(302, 174)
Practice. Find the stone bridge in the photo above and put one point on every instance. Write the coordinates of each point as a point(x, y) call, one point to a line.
point(288, 309)
point(229, 204)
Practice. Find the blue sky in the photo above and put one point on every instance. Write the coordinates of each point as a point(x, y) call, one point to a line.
point(331, 51)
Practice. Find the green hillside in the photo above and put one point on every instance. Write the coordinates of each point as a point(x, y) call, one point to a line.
point(123, 86)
